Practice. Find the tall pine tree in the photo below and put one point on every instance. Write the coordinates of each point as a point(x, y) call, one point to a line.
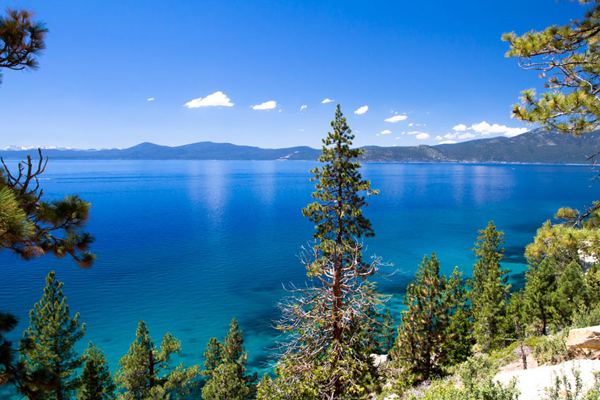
point(144, 372)
point(424, 338)
point(326, 355)
point(96, 381)
point(228, 378)
point(49, 342)
point(489, 289)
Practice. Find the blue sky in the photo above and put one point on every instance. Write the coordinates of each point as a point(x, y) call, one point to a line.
point(434, 70)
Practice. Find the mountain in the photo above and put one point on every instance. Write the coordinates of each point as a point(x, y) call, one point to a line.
point(536, 146)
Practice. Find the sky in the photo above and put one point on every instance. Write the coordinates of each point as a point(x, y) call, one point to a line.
point(270, 73)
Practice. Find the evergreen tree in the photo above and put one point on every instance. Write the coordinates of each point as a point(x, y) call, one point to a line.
point(571, 293)
point(423, 343)
point(212, 357)
point(229, 367)
point(21, 40)
point(226, 384)
point(569, 56)
point(144, 372)
point(540, 294)
point(326, 355)
point(49, 342)
point(386, 331)
point(489, 289)
point(96, 381)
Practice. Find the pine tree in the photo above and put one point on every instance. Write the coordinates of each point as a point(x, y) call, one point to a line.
point(422, 346)
point(212, 357)
point(540, 294)
point(21, 40)
point(489, 289)
point(143, 370)
point(570, 56)
point(226, 384)
point(325, 356)
point(49, 342)
point(96, 381)
point(571, 293)
point(230, 367)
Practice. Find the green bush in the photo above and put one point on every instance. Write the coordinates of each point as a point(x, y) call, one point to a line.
point(477, 377)
point(552, 349)
point(564, 389)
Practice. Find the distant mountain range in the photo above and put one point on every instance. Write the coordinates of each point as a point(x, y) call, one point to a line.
point(536, 146)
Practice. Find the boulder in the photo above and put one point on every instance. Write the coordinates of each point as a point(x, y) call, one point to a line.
point(584, 338)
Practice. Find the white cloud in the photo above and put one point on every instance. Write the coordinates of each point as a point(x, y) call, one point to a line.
point(512, 132)
point(362, 110)
point(467, 135)
point(423, 136)
point(386, 132)
point(151, 99)
point(414, 132)
point(303, 107)
point(328, 100)
point(267, 105)
point(212, 100)
point(396, 118)
point(460, 128)
point(485, 129)
point(438, 137)
point(447, 142)
point(451, 135)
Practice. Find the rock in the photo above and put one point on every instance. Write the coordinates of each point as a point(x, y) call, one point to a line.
point(532, 383)
point(379, 359)
point(585, 338)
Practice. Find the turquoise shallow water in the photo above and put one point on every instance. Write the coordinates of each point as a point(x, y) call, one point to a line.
point(187, 245)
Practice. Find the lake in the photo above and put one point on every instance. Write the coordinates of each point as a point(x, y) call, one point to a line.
point(187, 245)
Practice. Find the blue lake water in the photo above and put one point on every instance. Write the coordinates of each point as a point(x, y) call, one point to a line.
point(187, 245)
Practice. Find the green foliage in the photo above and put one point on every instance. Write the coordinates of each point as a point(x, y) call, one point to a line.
point(477, 383)
point(567, 389)
point(145, 373)
point(424, 335)
point(552, 349)
point(330, 324)
point(49, 341)
point(212, 357)
point(585, 318)
point(21, 40)
point(226, 384)
point(47, 227)
point(225, 365)
point(540, 294)
point(96, 381)
point(489, 289)
point(337, 213)
point(571, 293)
point(14, 226)
point(570, 55)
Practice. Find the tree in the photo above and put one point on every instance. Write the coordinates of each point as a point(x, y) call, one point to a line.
point(140, 374)
point(423, 343)
point(96, 381)
point(540, 294)
point(225, 384)
point(48, 227)
point(49, 341)
point(21, 40)
point(227, 372)
point(325, 356)
point(212, 357)
point(489, 288)
point(570, 55)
